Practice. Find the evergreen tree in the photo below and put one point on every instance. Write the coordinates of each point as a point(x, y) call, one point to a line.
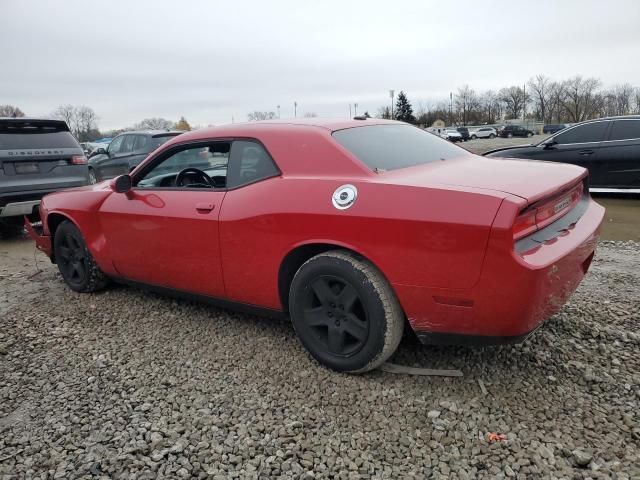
point(404, 111)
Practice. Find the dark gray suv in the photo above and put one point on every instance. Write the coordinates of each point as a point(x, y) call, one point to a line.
point(125, 152)
point(37, 157)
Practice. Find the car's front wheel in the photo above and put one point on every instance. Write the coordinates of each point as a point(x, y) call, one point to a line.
point(492, 136)
point(345, 312)
point(473, 137)
point(76, 264)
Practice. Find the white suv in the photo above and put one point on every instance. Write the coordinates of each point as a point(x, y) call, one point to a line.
point(484, 132)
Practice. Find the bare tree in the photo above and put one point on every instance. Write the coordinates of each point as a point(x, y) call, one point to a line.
point(384, 112)
point(540, 88)
point(636, 101)
point(514, 100)
point(66, 113)
point(581, 100)
point(10, 111)
point(467, 103)
point(491, 107)
point(154, 123)
point(618, 100)
point(256, 115)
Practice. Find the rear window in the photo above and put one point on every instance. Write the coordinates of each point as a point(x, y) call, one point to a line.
point(34, 136)
point(389, 147)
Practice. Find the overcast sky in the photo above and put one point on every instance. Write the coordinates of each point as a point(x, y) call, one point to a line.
point(213, 61)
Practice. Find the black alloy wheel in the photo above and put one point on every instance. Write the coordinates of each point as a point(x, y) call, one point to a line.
point(334, 310)
point(75, 262)
point(345, 312)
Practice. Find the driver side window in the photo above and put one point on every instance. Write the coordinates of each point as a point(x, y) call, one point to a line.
point(192, 166)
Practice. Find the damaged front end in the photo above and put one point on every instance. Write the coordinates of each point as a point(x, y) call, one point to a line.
point(36, 232)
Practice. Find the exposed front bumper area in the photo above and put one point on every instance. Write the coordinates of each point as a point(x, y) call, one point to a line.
point(43, 242)
point(516, 292)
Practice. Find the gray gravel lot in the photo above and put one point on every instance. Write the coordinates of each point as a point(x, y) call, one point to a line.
point(127, 384)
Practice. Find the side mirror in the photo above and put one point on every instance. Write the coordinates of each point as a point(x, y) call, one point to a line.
point(549, 143)
point(122, 184)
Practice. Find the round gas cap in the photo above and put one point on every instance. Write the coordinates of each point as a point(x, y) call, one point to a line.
point(344, 197)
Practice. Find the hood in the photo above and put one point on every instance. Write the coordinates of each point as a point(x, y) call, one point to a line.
point(527, 179)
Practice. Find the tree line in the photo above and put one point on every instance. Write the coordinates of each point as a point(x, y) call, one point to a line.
point(541, 99)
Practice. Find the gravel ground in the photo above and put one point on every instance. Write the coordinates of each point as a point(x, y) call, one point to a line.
point(127, 384)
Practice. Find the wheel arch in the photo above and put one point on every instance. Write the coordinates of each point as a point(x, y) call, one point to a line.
point(53, 220)
point(300, 253)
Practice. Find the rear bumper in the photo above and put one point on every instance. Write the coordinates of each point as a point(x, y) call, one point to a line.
point(19, 208)
point(516, 292)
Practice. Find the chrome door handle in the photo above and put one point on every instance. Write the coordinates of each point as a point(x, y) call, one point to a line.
point(204, 207)
point(586, 152)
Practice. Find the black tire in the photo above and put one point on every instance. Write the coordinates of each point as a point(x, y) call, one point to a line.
point(529, 134)
point(473, 137)
point(76, 264)
point(11, 227)
point(93, 179)
point(345, 312)
point(492, 136)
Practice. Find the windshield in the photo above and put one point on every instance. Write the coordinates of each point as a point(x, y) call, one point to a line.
point(159, 140)
point(389, 147)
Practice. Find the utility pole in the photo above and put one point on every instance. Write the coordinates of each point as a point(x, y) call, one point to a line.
point(391, 93)
point(295, 109)
point(355, 109)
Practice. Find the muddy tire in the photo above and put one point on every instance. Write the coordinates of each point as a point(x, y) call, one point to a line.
point(345, 312)
point(75, 262)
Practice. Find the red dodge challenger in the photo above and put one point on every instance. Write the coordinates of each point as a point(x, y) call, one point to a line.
point(355, 229)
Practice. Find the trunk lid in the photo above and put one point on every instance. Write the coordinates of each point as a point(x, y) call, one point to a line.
point(531, 180)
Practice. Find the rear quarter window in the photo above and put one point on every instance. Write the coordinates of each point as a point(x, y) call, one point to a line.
point(390, 147)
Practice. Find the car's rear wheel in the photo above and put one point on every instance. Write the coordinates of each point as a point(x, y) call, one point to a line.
point(92, 176)
point(492, 136)
point(473, 137)
point(345, 312)
point(76, 264)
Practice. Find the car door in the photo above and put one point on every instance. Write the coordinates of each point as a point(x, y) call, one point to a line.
point(104, 164)
point(164, 234)
point(579, 145)
point(141, 149)
point(620, 155)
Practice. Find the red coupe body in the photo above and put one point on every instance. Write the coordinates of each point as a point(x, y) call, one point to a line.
point(473, 247)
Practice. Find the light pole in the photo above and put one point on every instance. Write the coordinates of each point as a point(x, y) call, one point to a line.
point(391, 93)
point(355, 109)
point(450, 108)
point(278, 107)
point(295, 109)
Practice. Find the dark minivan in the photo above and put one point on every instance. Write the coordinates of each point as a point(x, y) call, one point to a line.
point(37, 157)
point(608, 147)
point(464, 131)
point(125, 152)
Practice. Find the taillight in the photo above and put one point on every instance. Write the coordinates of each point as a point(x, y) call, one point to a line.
point(78, 160)
point(533, 219)
point(524, 224)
